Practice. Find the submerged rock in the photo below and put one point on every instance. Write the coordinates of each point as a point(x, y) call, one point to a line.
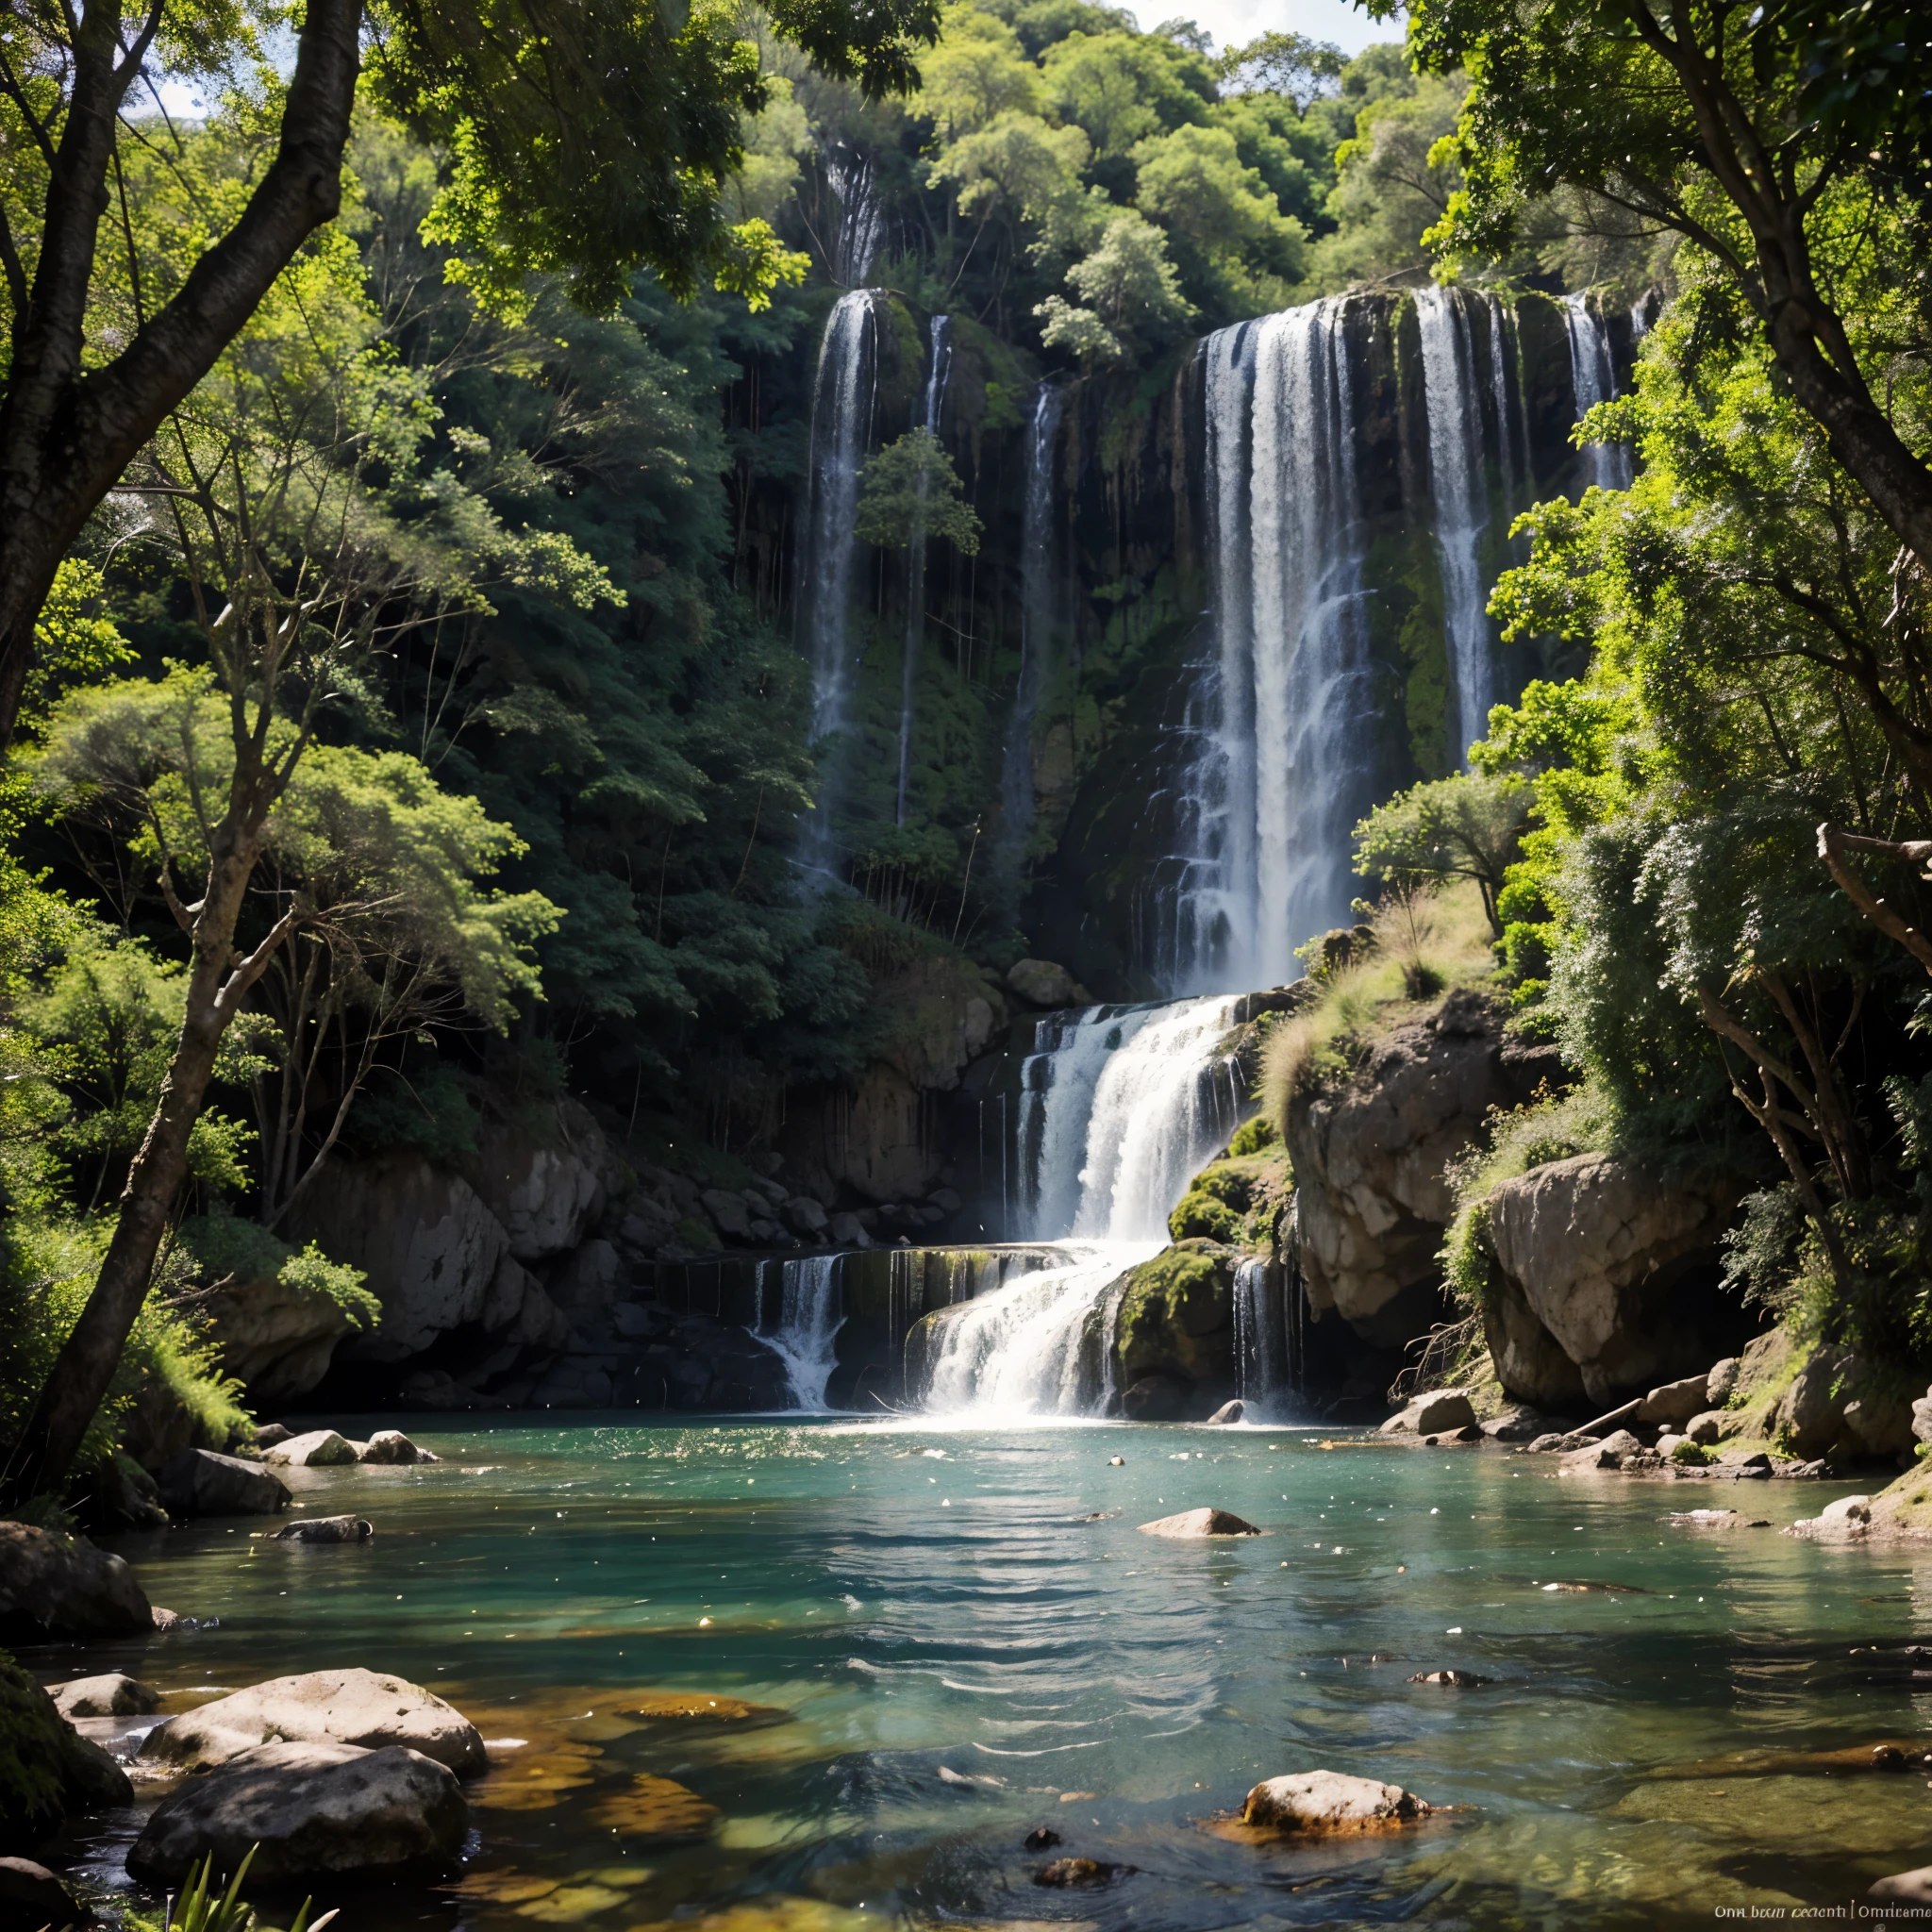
point(391, 1445)
point(62, 1586)
point(1043, 1838)
point(110, 1695)
point(1190, 1523)
point(1714, 1519)
point(306, 1808)
point(317, 1449)
point(1455, 1680)
point(1065, 1872)
point(325, 1529)
point(1328, 1801)
point(660, 1808)
point(1614, 1452)
point(353, 1707)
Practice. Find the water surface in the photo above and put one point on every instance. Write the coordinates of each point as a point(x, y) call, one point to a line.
point(968, 1640)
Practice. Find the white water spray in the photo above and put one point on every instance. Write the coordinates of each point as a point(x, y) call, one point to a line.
point(841, 411)
point(1285, 767)
point(809, 1317)
point(1593, 375)
point(1450, 394)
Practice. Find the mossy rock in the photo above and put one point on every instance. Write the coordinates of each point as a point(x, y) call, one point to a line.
point(48, 1771)
point(1223, 1196)
point(1176, 1317)
point(1200, 1215)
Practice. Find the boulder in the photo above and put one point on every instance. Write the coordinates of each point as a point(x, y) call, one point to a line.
point(848, 1231)
point(269, 1434)
point(198, 1482)
point(110, 1695)
point(1675, 1402)
point(1922, 1418)
point(1370, 1158)
point(48, 1771)
point(391, 1445)
point(1040, 983)
point(354, 1706)
point(31, 1898)
point(1611, 1452)
point(430, 1251)
point(1442, 1410)
point(1709, 1427)
point(1836, 1405)
point(306, 1808)
point(1603, 1255)
point(1530, 1362)
point(1516, 1425)
point(1174, 1326)
point(1720, 1384)
point(546, 1184)
point(1229, 1413)
point(317, 1449)
point(62, 1586)
point(728, 1213)
point(276, 1338)
point(1193, 1524)
point(1076, 1872)
point(803, 1215)
point(325, 1529)
point(1905, 1888)
point(1327, 1801)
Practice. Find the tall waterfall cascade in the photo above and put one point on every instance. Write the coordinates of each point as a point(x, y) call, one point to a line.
point(1037, 582)
point(1594, 374)
point(841, 426)
point(1282, 767)
point(1452, 395)
point(939, 365)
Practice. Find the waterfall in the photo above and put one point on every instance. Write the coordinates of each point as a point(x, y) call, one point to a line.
point(840, 420)
point(1593, 375)
point(939, 365)
point(1038, 1346)
point(807, 1330)
point(1261, 1352)
point(1284, 761)
point(1450, 394)
point(1035, 629)
point(862, 219)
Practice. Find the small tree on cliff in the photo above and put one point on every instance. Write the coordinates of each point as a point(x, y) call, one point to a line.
point(1467, 826)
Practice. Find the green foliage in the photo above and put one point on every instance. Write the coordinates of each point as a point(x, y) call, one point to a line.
point(223, 1246)
point(910, 491)
point(1131, 293)
point(198, 1908)
point(1175, 1314)
point(1234, 1200)
point(1254, 1135)
point(1466, 826)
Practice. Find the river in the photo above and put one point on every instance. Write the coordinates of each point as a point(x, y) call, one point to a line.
point(969, 1640)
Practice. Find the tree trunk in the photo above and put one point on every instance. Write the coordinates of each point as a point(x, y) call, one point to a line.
point(51, 1437)
point(66, 434)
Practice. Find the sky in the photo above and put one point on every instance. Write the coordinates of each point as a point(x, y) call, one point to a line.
point(1232, 22)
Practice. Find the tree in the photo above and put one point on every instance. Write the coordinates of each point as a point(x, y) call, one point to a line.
point(1767, 133)
point(588, 142)
point(277, 489)
point(1220, 214)
point(1469, 825)
point(1131, 293)
point(912, 492)
point(1282, 63)
point(977, 72)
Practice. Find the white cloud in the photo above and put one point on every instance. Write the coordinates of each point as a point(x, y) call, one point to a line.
point(1232, 22)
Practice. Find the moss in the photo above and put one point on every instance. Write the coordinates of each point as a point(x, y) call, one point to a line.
point(46, 1769)
point(1251, 1137)
point(1201, 1214)
point(1697, 1454)
point(693, 1233)
point(1176, 1317)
